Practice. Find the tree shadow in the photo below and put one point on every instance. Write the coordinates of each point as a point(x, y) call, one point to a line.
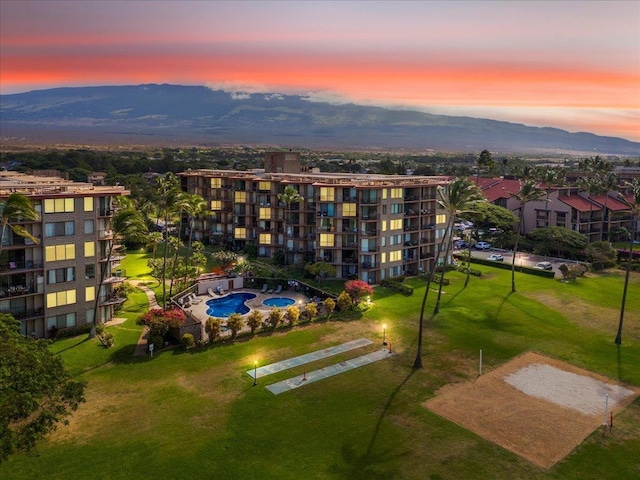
point(86, 338)
point(367, 465)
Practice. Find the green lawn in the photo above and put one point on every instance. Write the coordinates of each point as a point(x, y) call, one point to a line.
point(196, 414)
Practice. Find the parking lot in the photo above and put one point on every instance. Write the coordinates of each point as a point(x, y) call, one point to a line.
point(522, 259)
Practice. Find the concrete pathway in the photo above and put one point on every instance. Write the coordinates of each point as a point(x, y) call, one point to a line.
point(308, 358)
point(314, 376)
point(143, 341)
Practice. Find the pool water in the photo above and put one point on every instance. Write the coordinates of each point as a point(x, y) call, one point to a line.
point(232, 303)
point(278, 302)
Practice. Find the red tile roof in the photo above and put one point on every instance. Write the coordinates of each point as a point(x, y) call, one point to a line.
point(612, 203)
point(579, 203)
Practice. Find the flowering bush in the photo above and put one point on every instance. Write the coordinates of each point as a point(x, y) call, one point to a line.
point(357, 290)
point(160, 321)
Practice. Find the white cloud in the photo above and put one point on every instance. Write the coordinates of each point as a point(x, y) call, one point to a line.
point(326, 96)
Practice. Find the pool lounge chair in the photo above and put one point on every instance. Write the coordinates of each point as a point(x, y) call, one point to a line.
point(264, 288)
point(210, 292)
point(279, 289)
point(194, 299)
point(270, 290)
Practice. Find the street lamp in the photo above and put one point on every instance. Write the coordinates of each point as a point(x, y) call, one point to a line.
point(384, 334)
point(255, 372)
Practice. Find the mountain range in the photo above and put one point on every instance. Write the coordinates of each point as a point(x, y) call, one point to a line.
point(167, 115)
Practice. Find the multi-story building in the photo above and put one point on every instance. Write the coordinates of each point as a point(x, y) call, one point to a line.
point(54, 283)
point(368, 226)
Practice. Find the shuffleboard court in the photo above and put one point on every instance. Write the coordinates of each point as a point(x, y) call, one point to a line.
point(307, 358)
point(326, 372)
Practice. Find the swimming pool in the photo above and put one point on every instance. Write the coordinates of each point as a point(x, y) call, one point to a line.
point(278, 302)
point(232, 303)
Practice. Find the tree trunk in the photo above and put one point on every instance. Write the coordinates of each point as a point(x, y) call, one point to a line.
point(515, 249)
point(626, 284)
point(418, 361)
point(447, 238)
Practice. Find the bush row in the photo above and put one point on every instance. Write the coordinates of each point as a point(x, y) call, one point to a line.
point(397, 285)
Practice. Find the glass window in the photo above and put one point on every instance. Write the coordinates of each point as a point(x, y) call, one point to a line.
point(265, 213)
point(88, 204)
point(216, 205)
point(265, 238)
point(240, 233)
point(384, 225)
point(395, 256)
point(53, 253)
point(327, 194)
point(58, 205)
point(395, 224)
point(240, 197)
point(59, 229)
point(90, 294)
point(264, 186)
point(88, 226)
point(216, 182)
point(90, 271)
point(396, 193)
point(327, 239)
point(349, 209)
point(441, 218)
point(89, 249)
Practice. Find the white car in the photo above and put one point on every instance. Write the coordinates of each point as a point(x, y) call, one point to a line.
point(483, 246)
point(496, 257)
point(543, 266)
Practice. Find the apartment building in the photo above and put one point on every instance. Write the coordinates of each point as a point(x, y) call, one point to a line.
point(54, 283)
point(368, 226)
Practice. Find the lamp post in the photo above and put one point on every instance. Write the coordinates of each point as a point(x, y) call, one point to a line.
point(384, 334)
point(255, 372)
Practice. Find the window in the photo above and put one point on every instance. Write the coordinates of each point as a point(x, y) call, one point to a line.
point(90, 294)
point(396, 208)
point(348, 209)
point(240, 233)
point(327, 239)
point(265, 239)
point(395, 224)
point(327, 209)
point(395, 239)
point(216, 182)
point(90, 271)
point(216, 205)
point(441, 218)
point(58, 205)
point(58, 299)
point(264, 186)
point(327, 194)
point(88, 204)
point(61, 275)
point(396, 193)
point(89, 249)
point(54, 253)
point(88, 226)
point(395, 256)
point(383, 257)
point(265, 213)
point(62, 321)
point(59, 229)
point(384, 225)
point(240, 197)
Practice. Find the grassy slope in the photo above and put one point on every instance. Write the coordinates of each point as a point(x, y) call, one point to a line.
point(196, 414)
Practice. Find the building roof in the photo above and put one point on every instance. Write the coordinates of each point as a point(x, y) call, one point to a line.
point(579, 203)
point(45, 186)
point(612, 203)
point(495, 188)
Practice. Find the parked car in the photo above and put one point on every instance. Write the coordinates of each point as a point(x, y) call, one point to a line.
point(483, 246)
point(460, 244)
point(543, 266)
point(496, 257)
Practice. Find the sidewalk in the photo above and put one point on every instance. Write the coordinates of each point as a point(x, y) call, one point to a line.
point(143, 341)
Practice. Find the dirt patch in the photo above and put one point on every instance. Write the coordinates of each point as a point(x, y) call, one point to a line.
point(559, 411)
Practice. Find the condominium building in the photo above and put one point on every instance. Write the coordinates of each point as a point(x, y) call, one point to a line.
point(368, 226)
point(54, 282)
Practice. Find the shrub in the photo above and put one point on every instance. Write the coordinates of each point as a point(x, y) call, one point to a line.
point(344, 301)
point(157, 340)
point(275, 317)
point(293, 314)
point(235, 322)
point(330, 305)
point(397, 285)
point(74, 331)
point(187, 340)
point(212, 327)
point(357, 290)
point(160, 321)
point(107, 339)
point(254, 320)
point(311, 311)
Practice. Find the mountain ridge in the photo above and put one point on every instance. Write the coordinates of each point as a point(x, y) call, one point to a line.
point(180, 115)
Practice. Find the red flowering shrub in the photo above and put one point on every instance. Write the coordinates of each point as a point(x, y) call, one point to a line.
point(357, 290)
point(160, 321)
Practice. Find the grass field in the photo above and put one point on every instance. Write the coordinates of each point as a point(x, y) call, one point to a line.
point(196, 414)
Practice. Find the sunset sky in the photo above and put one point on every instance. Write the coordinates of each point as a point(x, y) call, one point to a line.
point(573, 65)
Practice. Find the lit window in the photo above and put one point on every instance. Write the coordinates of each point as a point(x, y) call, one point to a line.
point(396, 193)
point(216, 182)
point(265, 239)
point(384, 193)
point(89, 249)
point(240, 233)
point(264, 186)
point(216, 205)
point(348, 209)
point(327, 194)
point(58, 205)
point(327, 239)
point(265, 213)
point(383, 257)
point(395, 256)
point(240, 197)
point(441, 218)
point(58, 299)
point(60, 252)
point(395, 224)
point(88, 204)
point(384, 225)
point(90, 294)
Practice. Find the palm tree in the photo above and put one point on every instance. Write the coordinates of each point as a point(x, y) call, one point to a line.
point(462, 195)
point(590, 185)
point(608, 181)
point(550, 177)
point(17, 206)
point(634, 205)
point(418, 361)
point(125, 224)
point(484, 160)
point(168, 190)
point(288, 197)
point(194, 205)
point(529, 192)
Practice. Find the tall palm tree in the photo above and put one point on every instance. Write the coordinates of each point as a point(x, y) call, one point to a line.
point(634, 205)
point(529, 192)
point(460, 189)
point(550, 177)
point(484, 160)
point(194, 205)
point(17, 206)
point(168, 190)
point(590, 185)
point(608, 182)
point(288, 197)
point(128, 224)
point(462, 195)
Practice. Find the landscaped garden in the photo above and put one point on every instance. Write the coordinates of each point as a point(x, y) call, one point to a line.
point(196, 413)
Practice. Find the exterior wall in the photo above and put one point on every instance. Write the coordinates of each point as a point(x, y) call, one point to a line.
point(368, 226)
point(48, 283)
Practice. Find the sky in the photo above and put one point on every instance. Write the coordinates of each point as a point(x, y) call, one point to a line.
point(572, 64)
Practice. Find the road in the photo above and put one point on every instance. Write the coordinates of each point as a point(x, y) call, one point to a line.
point(522, 259)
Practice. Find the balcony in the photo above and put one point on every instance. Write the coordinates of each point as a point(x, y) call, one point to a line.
point(15, 267)
point(368, 265)
point(21, 314)
point(106, 212)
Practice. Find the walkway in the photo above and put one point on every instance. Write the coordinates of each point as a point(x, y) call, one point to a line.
point(142, 347)
point(314, 376)
point(308, 358)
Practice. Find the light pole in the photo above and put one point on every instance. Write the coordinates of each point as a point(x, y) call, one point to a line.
point(384, 334)
point(255, 372)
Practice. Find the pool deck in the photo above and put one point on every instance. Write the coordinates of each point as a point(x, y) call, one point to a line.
point(199, 310)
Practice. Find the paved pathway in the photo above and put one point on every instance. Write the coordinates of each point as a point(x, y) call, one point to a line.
point(307, 358)
point(141, 348)
point(314, 376)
